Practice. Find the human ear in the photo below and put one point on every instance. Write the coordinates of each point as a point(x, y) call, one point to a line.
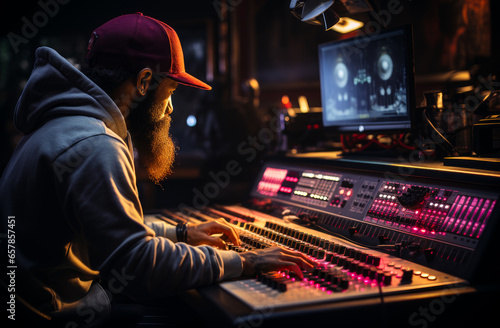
point(143, 80)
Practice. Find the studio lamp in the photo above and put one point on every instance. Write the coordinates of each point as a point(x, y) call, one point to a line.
point(316, 12)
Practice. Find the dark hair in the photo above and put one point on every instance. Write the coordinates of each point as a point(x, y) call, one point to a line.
point(107, 79)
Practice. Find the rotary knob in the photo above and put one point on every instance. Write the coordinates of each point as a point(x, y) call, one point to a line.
point(344, 283)
point(407, 275)
point(387, 278)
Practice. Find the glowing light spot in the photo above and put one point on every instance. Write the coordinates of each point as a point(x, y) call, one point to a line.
point(191, 120)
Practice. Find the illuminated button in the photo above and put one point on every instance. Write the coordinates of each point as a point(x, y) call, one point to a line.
point(417, 273)
point(424, 275)
point(390, 264)
point(432, 278)
point(397, 266)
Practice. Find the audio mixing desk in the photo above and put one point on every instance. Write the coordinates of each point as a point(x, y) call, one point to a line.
point(391, 242)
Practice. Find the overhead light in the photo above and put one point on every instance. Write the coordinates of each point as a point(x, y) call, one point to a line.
point(316, 12)
point(346, 25)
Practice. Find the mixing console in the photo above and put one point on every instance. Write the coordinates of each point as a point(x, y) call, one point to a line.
point(437, 225)
point(344, 270)
point(371, 234)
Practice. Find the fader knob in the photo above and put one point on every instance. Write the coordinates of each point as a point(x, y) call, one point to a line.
point(347, 263)
point(369, 259)
point(341, 261)
point(349, 252)
point(328, 256)
point(380, 275)
point(335, 258)
point(407, 275)
point(359, 267)
point(320, 254)
point(278, 283)
point(344, 283)
point(335, 279)
point(354, 266)
point(282, 286)
point(323, 274)
point(387, 278)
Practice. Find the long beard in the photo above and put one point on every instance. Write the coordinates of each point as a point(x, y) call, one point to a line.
point(151, 138)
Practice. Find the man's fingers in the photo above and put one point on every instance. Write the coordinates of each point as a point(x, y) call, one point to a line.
point(285, 265)
point(217, 242)
point(230, 226)
point(227, 230)
point(302, 256)
point(298, 260)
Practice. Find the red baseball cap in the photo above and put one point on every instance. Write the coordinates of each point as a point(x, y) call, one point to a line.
point(135, 41)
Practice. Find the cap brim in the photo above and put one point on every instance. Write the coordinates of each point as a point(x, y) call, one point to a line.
point(189, 80)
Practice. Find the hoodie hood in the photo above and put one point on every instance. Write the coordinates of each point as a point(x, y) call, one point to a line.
point(56, 88)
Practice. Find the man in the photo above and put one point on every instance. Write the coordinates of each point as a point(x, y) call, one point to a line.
point(70, 186)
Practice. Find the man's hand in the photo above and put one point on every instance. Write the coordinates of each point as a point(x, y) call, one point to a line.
point(275, 258)
point(201, 234)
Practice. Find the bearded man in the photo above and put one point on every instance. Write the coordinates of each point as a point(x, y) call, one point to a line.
point(69, 192)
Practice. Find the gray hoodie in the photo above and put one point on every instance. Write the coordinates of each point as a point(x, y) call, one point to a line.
point(71, 187)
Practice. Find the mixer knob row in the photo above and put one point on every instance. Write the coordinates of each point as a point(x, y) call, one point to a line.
point(297, 234)
point(333, 281)
point(351, 259)
point(273, 280)
point(254, 243)
point(347, 261)
point(361, 257)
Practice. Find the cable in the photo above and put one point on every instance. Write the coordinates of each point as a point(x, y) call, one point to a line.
point(382, 303)
point(348, 142)
point(402, 144)
point(444, 138)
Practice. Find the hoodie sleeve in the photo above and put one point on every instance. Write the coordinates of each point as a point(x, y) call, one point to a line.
point(100, 199)
point(163, 229)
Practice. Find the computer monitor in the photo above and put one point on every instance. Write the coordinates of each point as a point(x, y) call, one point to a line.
point(367, 82)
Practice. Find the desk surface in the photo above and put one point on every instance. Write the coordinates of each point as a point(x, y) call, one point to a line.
point(399, 166)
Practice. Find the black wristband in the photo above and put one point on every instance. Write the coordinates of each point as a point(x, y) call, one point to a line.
point(185, 233)
point(181, 232)
point(178, 231)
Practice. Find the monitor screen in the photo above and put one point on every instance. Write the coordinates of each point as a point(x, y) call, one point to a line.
point(367, 82)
